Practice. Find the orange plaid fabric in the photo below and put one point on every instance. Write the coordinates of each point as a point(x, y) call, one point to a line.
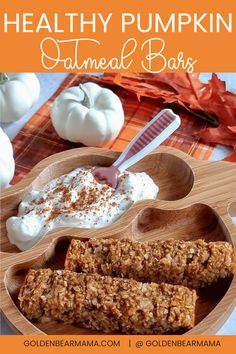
point(38, 138)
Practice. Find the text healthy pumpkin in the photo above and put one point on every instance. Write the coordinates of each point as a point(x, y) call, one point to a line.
point(88, 114)
point(7, 162)
point(18, 93)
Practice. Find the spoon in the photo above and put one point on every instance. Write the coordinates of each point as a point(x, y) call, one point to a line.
point(152, 135)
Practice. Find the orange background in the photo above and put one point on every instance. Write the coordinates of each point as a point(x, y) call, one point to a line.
point(16, 345)
point(213, 51)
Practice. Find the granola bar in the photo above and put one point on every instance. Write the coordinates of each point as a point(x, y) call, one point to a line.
point(190, 263)
point(106, 304)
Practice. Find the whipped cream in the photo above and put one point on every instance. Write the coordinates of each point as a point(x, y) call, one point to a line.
point(76, 199)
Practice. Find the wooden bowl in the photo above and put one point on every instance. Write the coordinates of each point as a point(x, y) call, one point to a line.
point(194, 201)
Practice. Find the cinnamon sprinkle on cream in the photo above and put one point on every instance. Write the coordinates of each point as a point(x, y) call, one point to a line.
point(76, 199)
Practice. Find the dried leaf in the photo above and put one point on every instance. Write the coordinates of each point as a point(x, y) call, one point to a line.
point(220, 135)
point(215, 99)
point(208, 101)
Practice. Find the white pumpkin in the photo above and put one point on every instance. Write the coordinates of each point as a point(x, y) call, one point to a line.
point(18, 93)
point(88, 114)
point(7, 163)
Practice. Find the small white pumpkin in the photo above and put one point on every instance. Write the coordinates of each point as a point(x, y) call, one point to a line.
point(7, 162)
point(18, 93)
point(88, 114)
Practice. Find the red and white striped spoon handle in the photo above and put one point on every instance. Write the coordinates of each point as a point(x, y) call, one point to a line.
point(151, 136)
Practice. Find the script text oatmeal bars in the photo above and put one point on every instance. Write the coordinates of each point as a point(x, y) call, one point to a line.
point(106, 304)
point(189, 263)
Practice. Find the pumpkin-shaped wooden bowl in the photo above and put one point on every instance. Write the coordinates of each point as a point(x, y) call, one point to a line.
point(194, 201)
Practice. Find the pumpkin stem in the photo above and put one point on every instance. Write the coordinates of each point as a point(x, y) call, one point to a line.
point(3, 78)
point(87, 99)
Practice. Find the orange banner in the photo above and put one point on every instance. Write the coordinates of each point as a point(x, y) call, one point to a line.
point(118, 344)
point(142, 36)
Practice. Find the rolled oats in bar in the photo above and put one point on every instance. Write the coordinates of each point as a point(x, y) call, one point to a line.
point(190, 263)
point(106, 304)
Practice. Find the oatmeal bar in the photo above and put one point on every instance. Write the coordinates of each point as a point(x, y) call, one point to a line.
point(106, 304)
point(190, 263)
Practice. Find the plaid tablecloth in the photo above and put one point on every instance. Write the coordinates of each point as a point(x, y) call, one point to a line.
point(38, 139)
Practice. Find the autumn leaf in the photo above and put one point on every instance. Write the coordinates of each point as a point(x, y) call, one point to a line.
point(215, 99)
point(220, 135)
point(211, 101)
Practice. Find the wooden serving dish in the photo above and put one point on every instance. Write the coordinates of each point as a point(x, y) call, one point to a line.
point(194, 201)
